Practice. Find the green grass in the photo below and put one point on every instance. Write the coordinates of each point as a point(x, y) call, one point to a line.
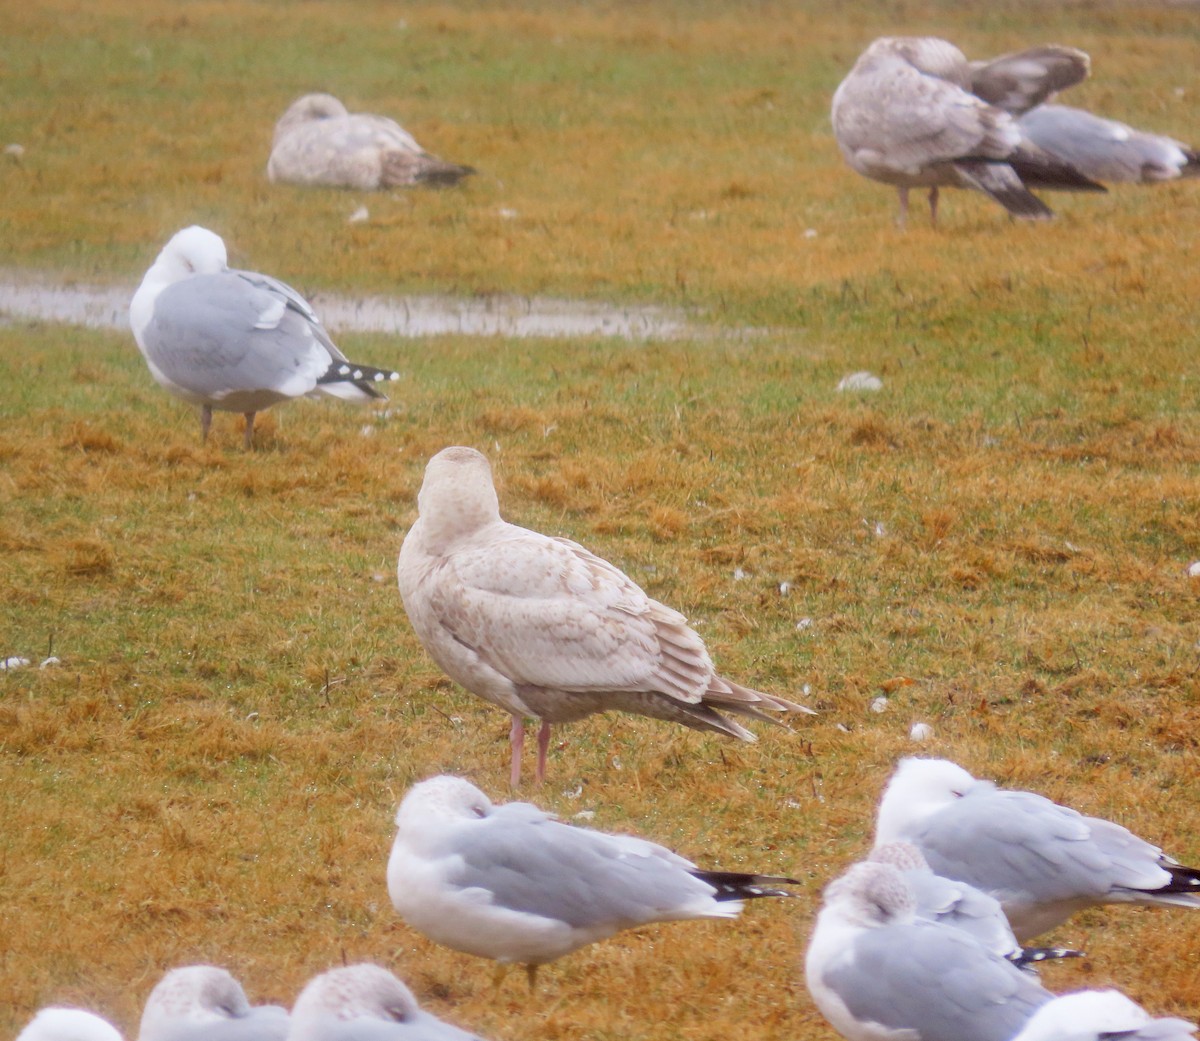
point(997, 541)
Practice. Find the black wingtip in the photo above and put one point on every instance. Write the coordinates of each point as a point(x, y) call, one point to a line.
point(1033, 955)
point(738, 885)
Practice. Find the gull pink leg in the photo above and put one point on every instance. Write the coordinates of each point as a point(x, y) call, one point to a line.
point(543, 746)
point(516, 738)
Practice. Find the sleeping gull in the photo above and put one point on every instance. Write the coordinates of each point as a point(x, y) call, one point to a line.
point(236, 340)
point(364, 1003)
point(543, 628)
point(204, 1003)
point(1042, 861)
point(318, 142)
point(1106, 150)
point(961, 906)
point(513, 884)
point(879, 973)
point(906, 115)
point(1100, 1015)
point(68, 1024)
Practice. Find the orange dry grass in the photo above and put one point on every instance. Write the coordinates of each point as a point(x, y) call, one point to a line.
point(996, 542)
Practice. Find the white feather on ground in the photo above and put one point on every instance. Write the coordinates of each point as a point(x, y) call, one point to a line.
point(318, 142)
point(906, 115)
point(1042, 861)
point(364, 1003)
point(543, 628)
point(234, 340)
point(513, 884)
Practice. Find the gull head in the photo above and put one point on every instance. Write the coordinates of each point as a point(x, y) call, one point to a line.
point(442, 798)
point(312, 107)
point(68, 1024)
point(195, 994)
point(192, 251)
point(903, 856)
point(457, 496)
point(918, 789)
point(354, 992)
point(1085, 1014)
point(871, 896)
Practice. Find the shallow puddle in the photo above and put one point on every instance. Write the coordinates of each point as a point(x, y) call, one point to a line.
point(24, 298)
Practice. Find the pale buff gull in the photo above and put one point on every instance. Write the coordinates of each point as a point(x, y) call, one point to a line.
point(318, 142)
point(234, 340)
point(878, 972)
point(543, 628)
point(906, 115)
point(510, 883)
point(365, 1003)
point(68, 1024)
point(1042, 861)
point(205, 1003)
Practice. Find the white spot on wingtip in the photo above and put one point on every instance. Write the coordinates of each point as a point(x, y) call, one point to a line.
point(343, 370)
point(358, 374)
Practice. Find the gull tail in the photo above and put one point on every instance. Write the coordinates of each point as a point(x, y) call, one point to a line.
point(354, 382)
point(1184, 888)
point(401, 169)
point(1001, 182)
point(1028, 956)
point(737, 885)
point(1037, 168)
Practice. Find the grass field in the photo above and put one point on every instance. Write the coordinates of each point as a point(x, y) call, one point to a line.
point(997, 542)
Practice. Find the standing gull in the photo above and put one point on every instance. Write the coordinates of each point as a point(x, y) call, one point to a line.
point(1042, 861)
point(364, 1003)
point(1106, 150)
point(236, 340)
point(68, 1024)
point(318, 142)
point(543, 628)
point(879, 973)
point(513, 884)
point(906, 115)
point(205, 1003)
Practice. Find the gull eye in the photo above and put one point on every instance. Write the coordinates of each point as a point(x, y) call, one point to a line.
point(396, 1013)
point(479, 811)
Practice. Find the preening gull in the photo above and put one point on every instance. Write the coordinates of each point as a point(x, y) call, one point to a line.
point(236, 340)
point(317, 141)
point(205, 1003)
point(543, 628)
point(878, 972)
point(68, 1024)
point(513, 884)
point(364, 1003)
point(961, 906)
point(906, 115)
point(1101, 1015)
point(1042, 861)
point(1106, 150)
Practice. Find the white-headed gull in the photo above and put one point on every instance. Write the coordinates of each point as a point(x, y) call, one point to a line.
point(68, 1024)
point(1042, 861)
point(543, 628)
point(1101, 1015)
point(236, 340)
point(908, 115)
point(513, 884)
point(318, 142)
point(205, 1003)
point(364, 1003)
point(878, 972)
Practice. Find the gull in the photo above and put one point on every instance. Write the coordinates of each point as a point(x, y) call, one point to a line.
point(1106, 150)
point(543, 628)
point(1101, 1015)
point(236, 340)
point(513, 884)
point(317, 141)
point(907, 115)
point(68, 1024)
point(205, 1003)
point(961, 906)
point(1042, 861)
point(364, 1003)
point(878, 972)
